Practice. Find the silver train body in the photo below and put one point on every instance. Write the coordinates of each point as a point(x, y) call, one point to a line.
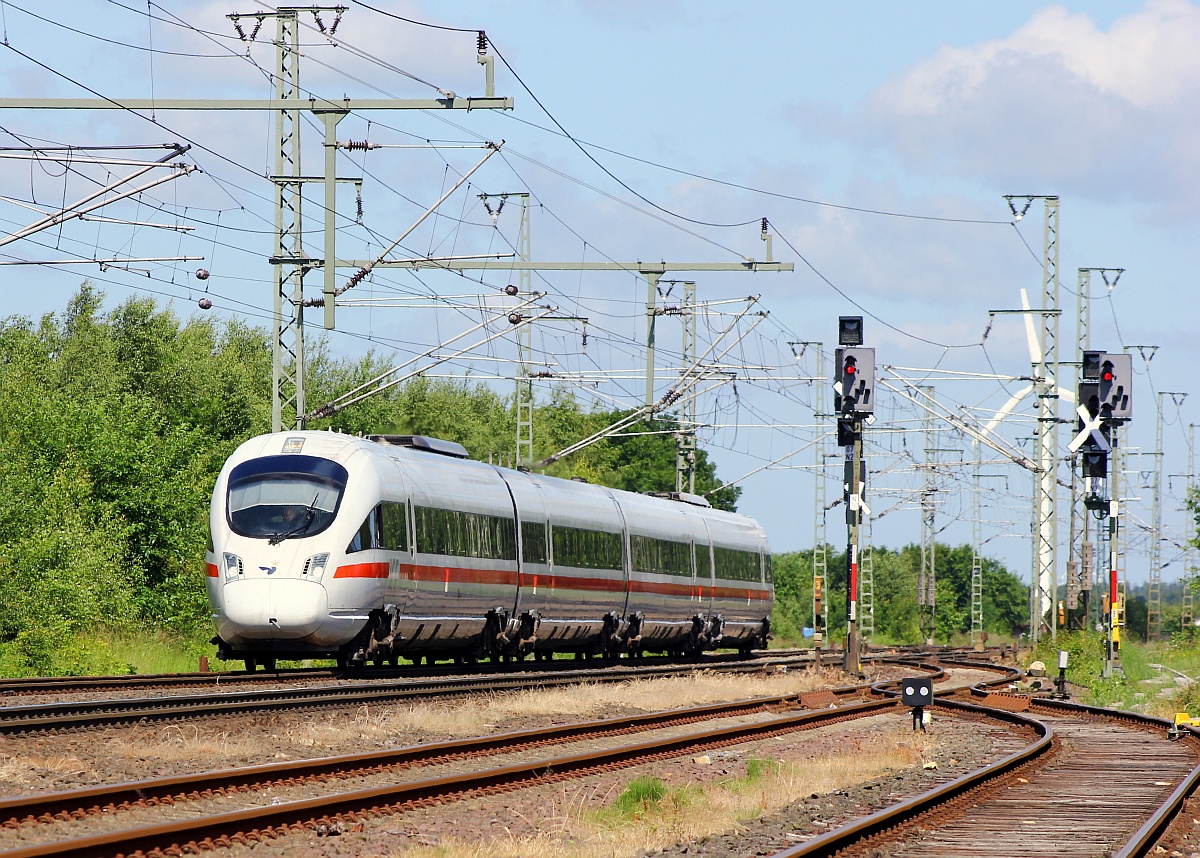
point(371, 549)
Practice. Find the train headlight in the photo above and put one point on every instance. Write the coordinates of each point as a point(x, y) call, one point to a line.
point(233, 565)
point(314, 567)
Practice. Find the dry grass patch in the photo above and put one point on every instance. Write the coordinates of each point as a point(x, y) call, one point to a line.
point(186, 743)
point(648, 814)
point(401, 724)
point(391, 725)
point(20, 770)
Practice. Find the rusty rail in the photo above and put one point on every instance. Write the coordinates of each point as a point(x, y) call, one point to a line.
point(271, 820)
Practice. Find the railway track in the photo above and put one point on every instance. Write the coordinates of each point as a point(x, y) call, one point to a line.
point(86, 714)
point(73, 685)
point(68, 812)
point(14, 688)
point(1095, 782)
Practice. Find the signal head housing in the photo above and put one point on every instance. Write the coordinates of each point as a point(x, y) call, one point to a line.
point(850, 330)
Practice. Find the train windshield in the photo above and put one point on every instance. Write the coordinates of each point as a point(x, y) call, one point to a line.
point(285, 497)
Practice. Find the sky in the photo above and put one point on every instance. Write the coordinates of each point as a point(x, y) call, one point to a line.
point(878, 139)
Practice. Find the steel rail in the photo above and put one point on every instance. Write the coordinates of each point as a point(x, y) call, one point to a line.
point(22, 808)
point(1147, 836)
point(224, 828)
point(846, 836)
point(40, 806)
point(81, 714)
point(1139, 845)
point(62, 684)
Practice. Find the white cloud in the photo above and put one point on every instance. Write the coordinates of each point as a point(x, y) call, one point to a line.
point(1109, 114)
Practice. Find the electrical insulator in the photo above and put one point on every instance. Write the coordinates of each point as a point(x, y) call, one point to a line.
point(205, 303)
point(510, 289)
point(481, 42)
point(514, 318)
point(201, 273)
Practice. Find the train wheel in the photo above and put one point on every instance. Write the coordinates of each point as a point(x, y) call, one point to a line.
point(251, 665)
point(268, 664)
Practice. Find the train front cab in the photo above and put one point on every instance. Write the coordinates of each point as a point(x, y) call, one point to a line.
point(279, 508)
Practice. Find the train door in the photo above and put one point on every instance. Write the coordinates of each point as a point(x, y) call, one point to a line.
point(705, 583)
point(401, 581)
point(533, 570)
point(626, 559)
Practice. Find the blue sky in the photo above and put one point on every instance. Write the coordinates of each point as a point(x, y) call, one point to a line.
point(901, 125)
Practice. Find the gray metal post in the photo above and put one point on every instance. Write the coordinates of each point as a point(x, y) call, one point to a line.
point(820, 554)
point(976, 553)
point(330, 118)
point(1187, 614)
point(685, 438)
point(651, 298)
point(287, 381)
point(1044, 576)
point(1154, 595)
point(854, 452)
point(524, 386)
point(1046, 533)
point(866, 583)
point(927, 577)
point(1116, 597)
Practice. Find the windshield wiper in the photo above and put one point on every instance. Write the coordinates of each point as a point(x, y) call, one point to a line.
point(309, 514)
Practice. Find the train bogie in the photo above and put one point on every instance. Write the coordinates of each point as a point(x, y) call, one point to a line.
point(326, 545)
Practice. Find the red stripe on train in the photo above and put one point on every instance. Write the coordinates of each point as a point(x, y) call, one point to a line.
point(363, 570)
point(446, 575)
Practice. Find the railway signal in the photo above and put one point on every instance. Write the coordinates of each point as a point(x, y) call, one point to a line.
point(1105, 397)
point(1116, 387)
point(853, 399)
point(917, 692)
point(854, 392)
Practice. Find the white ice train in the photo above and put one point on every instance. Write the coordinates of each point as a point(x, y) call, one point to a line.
point(369, 549)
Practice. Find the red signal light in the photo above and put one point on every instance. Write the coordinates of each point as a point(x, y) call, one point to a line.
point(1107, 376)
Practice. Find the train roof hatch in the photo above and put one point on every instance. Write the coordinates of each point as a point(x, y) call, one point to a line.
point(683, 497)
point(423, 442)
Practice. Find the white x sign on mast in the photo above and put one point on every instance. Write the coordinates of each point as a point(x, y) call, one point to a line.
point(1091, 426)
point(858, 502)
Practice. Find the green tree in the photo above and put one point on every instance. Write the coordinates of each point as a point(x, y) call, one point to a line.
point(895, 585)
point(113, 427)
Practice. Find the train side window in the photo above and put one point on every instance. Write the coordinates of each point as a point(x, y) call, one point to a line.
point(587, 549)
point(457, 533)
point(533, 541)
point(367, 535)
point(768, 572)
point(735, 565)
point(703, 561)
point(661, 556)
point(394, 531)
